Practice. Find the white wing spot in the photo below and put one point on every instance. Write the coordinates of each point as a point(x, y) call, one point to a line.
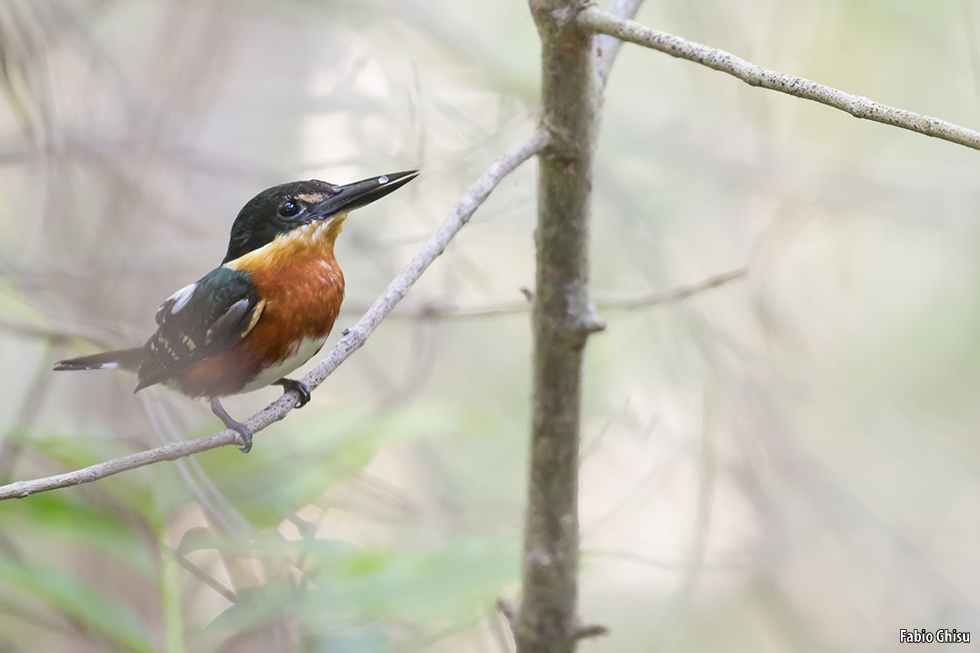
point(383, 179)
point(181, 297)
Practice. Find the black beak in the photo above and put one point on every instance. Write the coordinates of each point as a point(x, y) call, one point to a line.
point(360, 193)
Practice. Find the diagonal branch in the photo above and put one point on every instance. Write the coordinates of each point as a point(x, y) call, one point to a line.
point(602, 22)
point(352, 340)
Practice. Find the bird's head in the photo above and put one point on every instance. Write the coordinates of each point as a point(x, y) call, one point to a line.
point(281, 209)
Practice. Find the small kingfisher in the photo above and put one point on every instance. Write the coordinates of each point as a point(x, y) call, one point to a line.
point(265, 311)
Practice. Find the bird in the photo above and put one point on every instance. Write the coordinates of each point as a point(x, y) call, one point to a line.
point(265, 311)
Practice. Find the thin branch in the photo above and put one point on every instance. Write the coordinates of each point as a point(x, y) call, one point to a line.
point(509, 610)
point(451, 311)
point(680, 293)
point(675, 295)
point(588, 632)
point(54, 334)
point(602, 22)
point(495, 621)
point(460, 312)
point(203, 576)
point(347, 345)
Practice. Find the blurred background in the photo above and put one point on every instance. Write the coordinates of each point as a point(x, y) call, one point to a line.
point(790, 461)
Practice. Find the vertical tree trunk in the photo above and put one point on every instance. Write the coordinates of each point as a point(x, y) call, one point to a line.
point(563, 318)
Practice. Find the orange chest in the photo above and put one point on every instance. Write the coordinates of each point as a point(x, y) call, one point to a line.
point(302, 298)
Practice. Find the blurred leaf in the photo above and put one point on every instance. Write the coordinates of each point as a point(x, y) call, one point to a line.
point(456, 582)
point(14, 302)
point(79, 602)
point(64, 519)
point(198, 538)
point(293, 464)
point(370, 639)
point(75, 452)
point(170, 600)
point(79, 452)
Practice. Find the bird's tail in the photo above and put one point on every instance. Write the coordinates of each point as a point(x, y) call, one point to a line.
point(121, 359)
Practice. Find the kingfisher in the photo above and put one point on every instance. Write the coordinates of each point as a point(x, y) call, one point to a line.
point(266, 310)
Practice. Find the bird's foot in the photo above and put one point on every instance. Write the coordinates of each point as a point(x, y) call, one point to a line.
point(301, 389)
point(244, 433)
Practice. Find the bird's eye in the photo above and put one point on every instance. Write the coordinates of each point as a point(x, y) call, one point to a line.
point(289, 209)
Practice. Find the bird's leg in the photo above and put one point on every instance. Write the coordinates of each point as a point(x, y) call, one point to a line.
point(298, 386)
point(245, 433)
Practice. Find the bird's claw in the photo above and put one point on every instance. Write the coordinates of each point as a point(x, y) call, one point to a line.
point(244, 433)
point(299, 387)
point(244, 437)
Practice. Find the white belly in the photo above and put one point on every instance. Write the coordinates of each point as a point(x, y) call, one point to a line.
point(304, 352)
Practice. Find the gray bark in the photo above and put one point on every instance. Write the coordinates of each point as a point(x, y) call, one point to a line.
point(563, 317)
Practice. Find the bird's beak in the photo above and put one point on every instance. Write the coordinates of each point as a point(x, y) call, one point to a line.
point(360, 193)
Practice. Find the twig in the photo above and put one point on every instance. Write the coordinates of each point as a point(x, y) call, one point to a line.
point(54, 334)
point(602, 22)
point(451, 311)
point(204, 576)
point(509, 610)
point(676, 294)
point(588, 632)
point(347, 345)
point(503, 638)
point(680, 293)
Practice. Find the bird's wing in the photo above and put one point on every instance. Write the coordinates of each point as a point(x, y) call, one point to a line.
point(200, 320)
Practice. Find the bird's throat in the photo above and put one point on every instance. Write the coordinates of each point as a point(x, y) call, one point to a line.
point(314, 240)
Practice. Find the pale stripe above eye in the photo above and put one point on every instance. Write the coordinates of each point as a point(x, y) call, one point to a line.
point(311, 198)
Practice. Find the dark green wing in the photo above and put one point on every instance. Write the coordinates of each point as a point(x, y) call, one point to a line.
point(198, 321)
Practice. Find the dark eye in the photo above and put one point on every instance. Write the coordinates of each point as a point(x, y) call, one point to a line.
point(289, 209)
